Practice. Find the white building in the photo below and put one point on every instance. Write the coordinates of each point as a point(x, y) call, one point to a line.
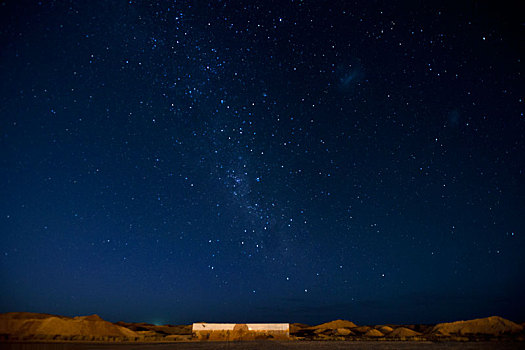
point(240, 331)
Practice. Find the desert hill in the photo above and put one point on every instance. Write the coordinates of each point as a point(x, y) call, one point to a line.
point(166, 329)
point(25, 326)
point(361, 329)
point(373, 333)
point(50, 327)
point(294, 327)
point(385, 329)
point(403, 333)
point(493, 325)
point(335, 324)
point(493, 328)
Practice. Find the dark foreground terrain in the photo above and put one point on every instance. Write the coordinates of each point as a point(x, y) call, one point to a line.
point(270, 345)
point(33, 331)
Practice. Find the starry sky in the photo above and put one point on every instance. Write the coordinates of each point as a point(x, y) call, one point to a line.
point(263, 161)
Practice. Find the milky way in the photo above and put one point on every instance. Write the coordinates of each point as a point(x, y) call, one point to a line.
point(262, 162)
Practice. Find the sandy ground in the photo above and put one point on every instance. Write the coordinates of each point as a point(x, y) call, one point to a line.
point(270, 345)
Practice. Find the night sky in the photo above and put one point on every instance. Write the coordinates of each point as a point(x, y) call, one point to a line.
point(263, 161)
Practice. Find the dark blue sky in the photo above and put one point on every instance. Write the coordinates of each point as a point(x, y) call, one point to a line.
point(278, 161)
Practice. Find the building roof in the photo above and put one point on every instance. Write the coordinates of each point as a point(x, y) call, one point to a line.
point(203, 326)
